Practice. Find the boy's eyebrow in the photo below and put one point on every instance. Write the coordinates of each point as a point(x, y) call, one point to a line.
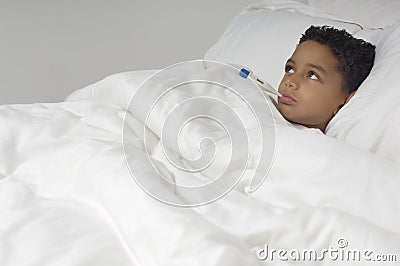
point(290, 60)
point(320, 68)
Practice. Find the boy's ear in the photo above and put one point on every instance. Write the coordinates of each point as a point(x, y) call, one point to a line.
point(346, 100)
point(349, 97)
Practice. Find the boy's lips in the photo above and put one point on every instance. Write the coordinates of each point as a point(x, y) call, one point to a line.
point(287, 99)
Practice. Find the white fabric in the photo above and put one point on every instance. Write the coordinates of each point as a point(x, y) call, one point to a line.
point(37, 230)
point(299, 6)
point(369, 13)
point(265, 35)
point(123, 85)
point(65, 187)
point(371, 119)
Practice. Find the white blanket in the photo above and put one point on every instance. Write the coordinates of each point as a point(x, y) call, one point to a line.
point(67, 196)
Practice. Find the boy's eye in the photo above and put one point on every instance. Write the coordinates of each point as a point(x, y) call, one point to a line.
point(313, 76)
point(289, 69)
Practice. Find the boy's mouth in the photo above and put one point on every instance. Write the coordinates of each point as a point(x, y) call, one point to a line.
point(287, 99)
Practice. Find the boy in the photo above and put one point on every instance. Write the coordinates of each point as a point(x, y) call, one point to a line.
point(321, 76)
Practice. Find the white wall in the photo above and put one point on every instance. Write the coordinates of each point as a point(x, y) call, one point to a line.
point(49, 48)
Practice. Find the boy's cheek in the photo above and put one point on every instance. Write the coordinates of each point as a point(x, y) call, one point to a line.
point(280, 86)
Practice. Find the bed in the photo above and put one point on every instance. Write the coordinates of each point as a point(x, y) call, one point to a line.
point(193, 165)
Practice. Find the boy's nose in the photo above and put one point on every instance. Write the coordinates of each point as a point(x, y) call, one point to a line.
point(291, 83)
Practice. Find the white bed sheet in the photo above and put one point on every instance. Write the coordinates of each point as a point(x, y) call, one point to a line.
point(67, 197)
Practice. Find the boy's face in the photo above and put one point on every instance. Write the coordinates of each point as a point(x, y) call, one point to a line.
point(311, 86)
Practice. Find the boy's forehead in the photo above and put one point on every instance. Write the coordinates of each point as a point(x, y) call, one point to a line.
point(313, 52)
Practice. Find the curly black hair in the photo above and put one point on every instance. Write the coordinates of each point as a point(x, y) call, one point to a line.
point(355, 56)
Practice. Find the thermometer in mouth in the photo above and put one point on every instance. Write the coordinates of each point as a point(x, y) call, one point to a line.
point(244, 73)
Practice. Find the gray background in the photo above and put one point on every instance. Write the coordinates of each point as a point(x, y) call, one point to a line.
point(49, 48)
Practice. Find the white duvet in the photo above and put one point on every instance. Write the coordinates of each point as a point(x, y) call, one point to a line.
point(67, 196)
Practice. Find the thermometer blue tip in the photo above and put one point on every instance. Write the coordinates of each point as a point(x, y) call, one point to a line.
point(244, 73)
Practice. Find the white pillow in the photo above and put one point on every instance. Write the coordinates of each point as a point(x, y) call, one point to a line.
point(371, 119)
point(369, 13)
point(264, 37)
